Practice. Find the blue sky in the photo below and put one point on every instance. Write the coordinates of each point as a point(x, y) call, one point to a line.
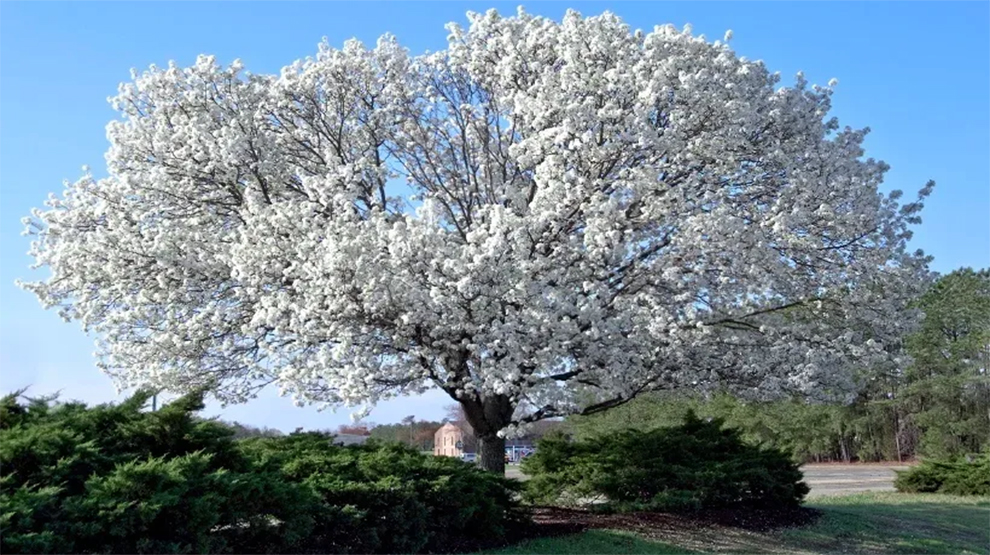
point(917, 73)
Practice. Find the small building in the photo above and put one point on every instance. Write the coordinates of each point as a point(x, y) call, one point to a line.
point(448, 441)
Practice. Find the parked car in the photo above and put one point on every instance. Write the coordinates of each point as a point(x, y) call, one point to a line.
point(469, 457)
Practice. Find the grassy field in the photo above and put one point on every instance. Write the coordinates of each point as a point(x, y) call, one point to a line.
point(592, 542)
point(875, 523)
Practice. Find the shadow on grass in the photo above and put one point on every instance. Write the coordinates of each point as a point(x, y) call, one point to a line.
point(591, 542)
point(875, 523)
point(654, 532)
point(926, 526)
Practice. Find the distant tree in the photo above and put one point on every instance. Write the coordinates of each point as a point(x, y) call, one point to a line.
point(354, 429)
point(412, 432)
point(948, 386)
point(423, 436)
point(409, 426)
point(388, 433)
point(539, 429)
point(244, 431)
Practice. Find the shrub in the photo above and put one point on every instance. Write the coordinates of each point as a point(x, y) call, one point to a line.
point(116, 479)
point(961, 476)
point(398, 499)
point(697, 465)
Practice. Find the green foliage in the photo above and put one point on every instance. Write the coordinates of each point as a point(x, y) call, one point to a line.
point(947, 389)
point(179, 505)
point(118, 479)
point(399, 499)
point(961, 476)
point(697, 465)
point(113, 478)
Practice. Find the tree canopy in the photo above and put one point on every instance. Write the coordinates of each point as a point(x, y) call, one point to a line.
point(545, 218)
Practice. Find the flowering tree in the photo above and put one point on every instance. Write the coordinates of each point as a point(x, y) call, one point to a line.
point(543, 219)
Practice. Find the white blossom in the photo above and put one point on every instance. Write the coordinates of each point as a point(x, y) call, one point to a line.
point(545, 218)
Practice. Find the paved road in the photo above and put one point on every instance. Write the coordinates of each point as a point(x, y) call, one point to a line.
point(834, 479)
point(824, 479)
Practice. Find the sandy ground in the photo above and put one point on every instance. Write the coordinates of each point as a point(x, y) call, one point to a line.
point(824, 479)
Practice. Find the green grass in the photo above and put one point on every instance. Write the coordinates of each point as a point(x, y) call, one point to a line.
point(592, 542)
point(897, 523)
point(875, 523)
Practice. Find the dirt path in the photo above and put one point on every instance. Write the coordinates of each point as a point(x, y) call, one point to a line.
point(823, 479)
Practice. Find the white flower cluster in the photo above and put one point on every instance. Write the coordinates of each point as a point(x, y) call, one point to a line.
point(545, 218)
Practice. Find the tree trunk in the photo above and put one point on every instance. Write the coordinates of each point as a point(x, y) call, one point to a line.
point(488, 415)
point(842, 443)
point(897, 436)
point(491, 453)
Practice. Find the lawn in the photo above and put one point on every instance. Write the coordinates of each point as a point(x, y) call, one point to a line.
point(897, 523)
point(592, 542)
point(862, 523)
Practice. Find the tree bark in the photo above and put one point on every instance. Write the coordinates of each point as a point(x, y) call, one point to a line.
point(491, 453)
point(487, 416)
